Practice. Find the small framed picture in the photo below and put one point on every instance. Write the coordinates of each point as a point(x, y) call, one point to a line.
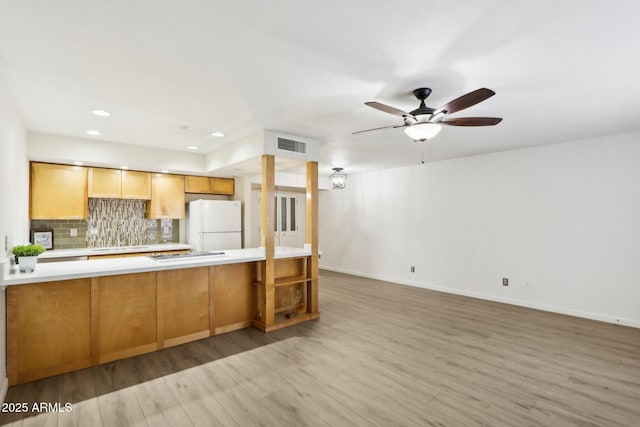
point(42, 237)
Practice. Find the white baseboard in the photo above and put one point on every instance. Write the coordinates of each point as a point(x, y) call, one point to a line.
point(522, 303)
point(4, 387)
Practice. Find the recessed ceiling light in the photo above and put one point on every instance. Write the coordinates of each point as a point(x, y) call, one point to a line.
point(193, 147)
point(101, 113)
point(218, 134)
point(78, 163)
point(165, 171)
point(93, 132)
point(124, 167)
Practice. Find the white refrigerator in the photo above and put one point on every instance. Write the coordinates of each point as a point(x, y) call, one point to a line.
point(214, 225)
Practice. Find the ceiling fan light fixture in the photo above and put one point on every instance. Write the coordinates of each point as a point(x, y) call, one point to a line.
point(422, 131)
point(338, 179)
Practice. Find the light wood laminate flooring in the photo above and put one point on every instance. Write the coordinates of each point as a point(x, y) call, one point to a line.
point(381, 354)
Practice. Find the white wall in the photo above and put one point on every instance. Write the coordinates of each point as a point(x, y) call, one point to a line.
point(67, 149)
point(14, 200)
point(565, 218)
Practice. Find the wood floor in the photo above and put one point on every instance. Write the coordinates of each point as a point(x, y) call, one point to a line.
point(380, 355)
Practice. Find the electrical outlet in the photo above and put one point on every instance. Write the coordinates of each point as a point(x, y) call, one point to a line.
point(73, 232)
point(505, 281)
point(413, 269)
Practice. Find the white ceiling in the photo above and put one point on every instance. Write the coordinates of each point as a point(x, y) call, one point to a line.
point(170, 72)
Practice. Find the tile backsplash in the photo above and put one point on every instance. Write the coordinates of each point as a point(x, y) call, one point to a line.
point(116, 222)
point(62, 238)
point(112, 222)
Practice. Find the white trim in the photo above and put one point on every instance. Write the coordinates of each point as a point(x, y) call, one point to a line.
point(544, 307)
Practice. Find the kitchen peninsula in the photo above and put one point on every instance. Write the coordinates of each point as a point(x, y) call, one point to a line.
point(70, 315)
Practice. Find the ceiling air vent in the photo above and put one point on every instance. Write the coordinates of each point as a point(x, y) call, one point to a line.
point(291, 145)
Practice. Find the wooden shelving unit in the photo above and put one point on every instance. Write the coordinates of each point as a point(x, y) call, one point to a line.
point(290, 280)
point(287, 289)
point(289, 307)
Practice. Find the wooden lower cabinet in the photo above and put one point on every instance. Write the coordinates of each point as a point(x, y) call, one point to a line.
point(62, 326)
point(233, 296)
point(183, 306)
point(123, 316)
point(48, 329)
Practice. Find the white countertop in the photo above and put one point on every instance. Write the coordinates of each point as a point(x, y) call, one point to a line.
point(54, 271)
point(77, 252)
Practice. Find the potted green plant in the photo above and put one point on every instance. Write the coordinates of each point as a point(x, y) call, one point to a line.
point(27, 256)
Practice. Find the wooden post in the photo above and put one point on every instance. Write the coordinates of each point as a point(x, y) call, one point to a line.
point(267, 239)
point(312, 235)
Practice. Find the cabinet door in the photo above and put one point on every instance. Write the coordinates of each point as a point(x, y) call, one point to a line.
point(224, 186)
point(123, 316)
point(167, 196)
point(183, 305)
point(58, 191)
point(105, 183)
point(136, 185)
point(48, 329)
point(233, 296)
point(197, 184)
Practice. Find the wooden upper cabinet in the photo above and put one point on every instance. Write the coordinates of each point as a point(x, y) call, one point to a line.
point(225, 186)
point(136, 185)
point(105, 183)
point(119, 184)
point(206, 185)
point(197, 184)
point(167, 196)
point(58, 191)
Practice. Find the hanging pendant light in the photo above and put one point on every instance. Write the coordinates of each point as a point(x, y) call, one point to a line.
point(338, 179)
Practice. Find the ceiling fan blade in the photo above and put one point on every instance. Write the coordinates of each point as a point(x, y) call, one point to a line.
point(383, 127)
point(466, 101)
point(472, 121)
point(387, 109)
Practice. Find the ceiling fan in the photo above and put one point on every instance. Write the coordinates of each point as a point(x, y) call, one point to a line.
point(424, 122)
